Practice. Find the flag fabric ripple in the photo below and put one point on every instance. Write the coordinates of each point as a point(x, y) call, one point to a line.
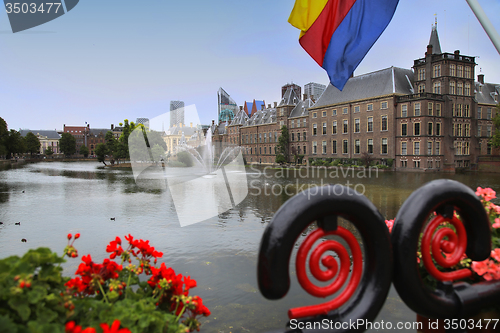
point(338, 34)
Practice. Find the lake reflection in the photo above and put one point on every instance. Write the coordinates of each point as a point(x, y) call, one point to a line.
point(220, 253)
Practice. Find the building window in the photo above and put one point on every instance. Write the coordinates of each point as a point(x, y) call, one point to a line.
point(370, 146)
point(430, 108)
point(466, 149)
point(452, 70)
point(467, 89)
point(356, 125)
point(293, 136)
point(323, 114)
point(421, 88)
point(429, 148)
point(458, 129)
point(416, 148)
point(282, 123)
point(458, 147)
point(403, 148)
point(467, 129)
point(315, 129)
point(369, 107)
point(345, 147)
point(344, 110)
point(436, 148)
point(298, 137)
point(370, 124)
point(488, 131)
point(260, 137)
point(334, 147)
point(416, 129)
point(460, 71)
point(460, 88)
point(421, 74)
point(305, 122)
point(384, 123)
point(404, 129)
point(404, 110)
point(275, 136)
point(293, 124)
point(468, 74)
point(416, 109)
point(356, 109)
point(383, 105)
point(488, 149)
point(438, 128)
point(315, 147)
point(438, 109)
point(305, 150)
point(345, 126)
point(265, 137)
point(437, 70)
point(452, 87)
point(315, 115)
point(305, 138)
point(334, 127)
point(324, 147)
point(324, 128)
point(334, 112)
point(488, 113)
point(265, 150)
point(429, 129)
point(357, 146)
point(384, 146)
point(437, 87)
point(478, 130)
point(479, 113)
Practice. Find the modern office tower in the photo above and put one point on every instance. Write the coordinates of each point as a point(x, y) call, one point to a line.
point(314, 90)
point(176, 113)
point(226, 107)
point(144, 121)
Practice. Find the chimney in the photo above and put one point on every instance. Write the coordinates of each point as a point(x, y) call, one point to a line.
point(268, 106)
point(241, 107)
point(263, 106)
point(304, 97)
point(275, 104)
point(213, 122)
point(457, 54)
point(480, 78)
point(112, 126)
point(429, 50)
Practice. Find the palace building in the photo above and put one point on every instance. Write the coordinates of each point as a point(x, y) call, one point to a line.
point(433, 117)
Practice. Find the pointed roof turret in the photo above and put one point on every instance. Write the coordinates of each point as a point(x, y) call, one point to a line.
point(434, 40)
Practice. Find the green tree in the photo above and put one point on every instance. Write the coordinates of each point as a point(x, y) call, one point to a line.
point(49, 151)
point(15, 143)
point(101, 151)
point(84, 151)
point(32, 143)
point(4, 134)
point(67, 144)
point(283, 146)
point(128, 128)
point(495, 139)
point(112, 146)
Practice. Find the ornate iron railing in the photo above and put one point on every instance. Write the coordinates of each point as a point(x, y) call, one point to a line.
point(361, 288)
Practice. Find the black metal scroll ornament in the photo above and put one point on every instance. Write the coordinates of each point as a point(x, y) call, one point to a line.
point(441, 201)
point(364, 294)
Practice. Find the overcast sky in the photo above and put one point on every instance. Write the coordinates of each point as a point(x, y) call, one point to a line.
point(110, 60)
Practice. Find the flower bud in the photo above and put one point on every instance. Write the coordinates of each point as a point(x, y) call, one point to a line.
point(69, 236)
point(77, 235)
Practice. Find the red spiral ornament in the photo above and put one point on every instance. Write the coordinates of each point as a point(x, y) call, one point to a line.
point(453, 248)
point(331, 272)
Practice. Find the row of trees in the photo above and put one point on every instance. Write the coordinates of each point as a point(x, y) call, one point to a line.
point(12, 142)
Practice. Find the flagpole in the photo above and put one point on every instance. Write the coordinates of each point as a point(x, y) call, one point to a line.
point(485, 23)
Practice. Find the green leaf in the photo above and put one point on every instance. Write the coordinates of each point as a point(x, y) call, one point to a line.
point(36, 294)
point(20, 304)
point(44, 314)
point(7, 325)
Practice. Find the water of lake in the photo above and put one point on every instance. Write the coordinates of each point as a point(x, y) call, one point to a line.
point(220, 253)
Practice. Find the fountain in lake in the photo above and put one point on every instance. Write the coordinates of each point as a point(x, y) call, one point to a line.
point(203, 181)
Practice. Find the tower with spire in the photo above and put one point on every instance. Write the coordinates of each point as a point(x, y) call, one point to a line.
point(444, 98)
